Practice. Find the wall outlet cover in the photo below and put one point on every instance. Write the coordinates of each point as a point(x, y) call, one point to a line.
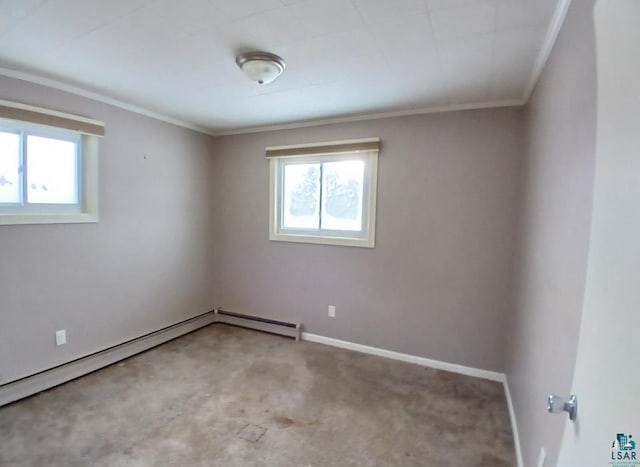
point(61, 337)
point(332, 311)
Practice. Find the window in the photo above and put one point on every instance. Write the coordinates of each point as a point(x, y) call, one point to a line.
point(324, 193)
point(48, 166)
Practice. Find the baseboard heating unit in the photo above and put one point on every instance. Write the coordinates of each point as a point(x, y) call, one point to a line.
point(272, 326)
point(32, 384)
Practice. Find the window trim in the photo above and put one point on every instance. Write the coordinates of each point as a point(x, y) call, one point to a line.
point(50, 118)
point(87, 133)
point(276, 165)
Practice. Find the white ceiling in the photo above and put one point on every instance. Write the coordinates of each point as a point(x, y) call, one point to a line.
point(344, 57)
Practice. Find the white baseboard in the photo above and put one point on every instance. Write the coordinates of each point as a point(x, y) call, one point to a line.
point(514, 424)
point(452, 367)
point(24, 387)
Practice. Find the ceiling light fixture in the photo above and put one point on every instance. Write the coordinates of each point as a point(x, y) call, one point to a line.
point(262, 67)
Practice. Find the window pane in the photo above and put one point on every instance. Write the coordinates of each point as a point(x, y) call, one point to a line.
point(9, 167)
point(52, 174)
point(342, 193)
point(301, 191)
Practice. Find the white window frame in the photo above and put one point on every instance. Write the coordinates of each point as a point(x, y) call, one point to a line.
point(364, 238)
point(86, 210)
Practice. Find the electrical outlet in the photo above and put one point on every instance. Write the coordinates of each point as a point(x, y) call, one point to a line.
point(542, 457)
point(61, 337)
point(332, 311)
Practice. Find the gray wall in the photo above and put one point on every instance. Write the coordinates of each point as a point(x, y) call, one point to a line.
point(145, 265)
point(438, 282)
point(554, 231)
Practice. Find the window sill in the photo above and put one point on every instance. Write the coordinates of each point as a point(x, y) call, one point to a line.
point(338, 241)
point(23, 219)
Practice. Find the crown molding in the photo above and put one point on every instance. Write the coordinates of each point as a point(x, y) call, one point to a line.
point(370, 116)
point(78, 91)
point(557, 21)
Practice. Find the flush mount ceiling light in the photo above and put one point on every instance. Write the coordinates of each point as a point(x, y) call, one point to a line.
point(262, 67)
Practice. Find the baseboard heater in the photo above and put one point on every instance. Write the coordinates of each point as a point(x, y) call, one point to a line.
point(272, 326)
point(46, 379)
